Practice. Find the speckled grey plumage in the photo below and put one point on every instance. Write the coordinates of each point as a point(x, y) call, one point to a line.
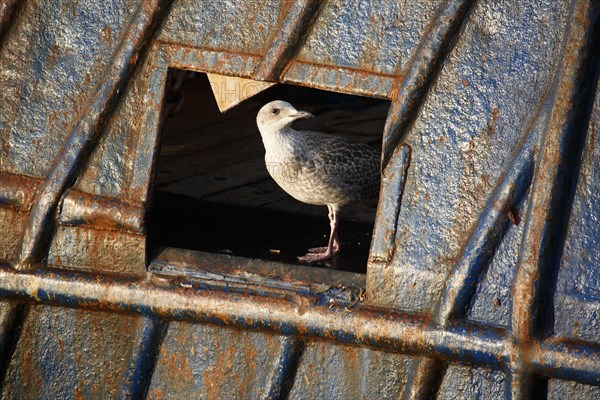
point(323, 169)
point(317, 168)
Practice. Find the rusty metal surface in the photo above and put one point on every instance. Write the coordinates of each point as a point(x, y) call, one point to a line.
point(240, 270)
point(340, 372)
point(577, 281)
point(42, 92)
point(471, 383)
point(548, 210)
point(482, 281)
point(298, 19)
point(202, 361)
point(60, 159)
point(460, 126)
point(118, 176)
point(57, 355)
point(80, 208)
point(351, 49)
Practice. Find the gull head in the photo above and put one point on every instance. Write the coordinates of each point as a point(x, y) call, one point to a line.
point(277, 115)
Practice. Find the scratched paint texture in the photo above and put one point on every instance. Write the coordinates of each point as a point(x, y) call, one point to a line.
point(50, 64)
point(475, 114)
point(578, 282)
point(200, 361)
point(489, 101)
point(69, 354)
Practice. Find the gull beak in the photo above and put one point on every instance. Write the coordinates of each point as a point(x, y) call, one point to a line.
point(302, 115)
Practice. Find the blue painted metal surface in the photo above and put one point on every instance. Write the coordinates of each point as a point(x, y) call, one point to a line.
point(483, 274)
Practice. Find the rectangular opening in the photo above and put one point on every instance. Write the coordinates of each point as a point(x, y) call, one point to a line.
point(212, 190)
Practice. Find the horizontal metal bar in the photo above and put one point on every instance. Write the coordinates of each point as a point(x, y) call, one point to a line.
point(100, 212)
point(310, 316)
point(18, 191)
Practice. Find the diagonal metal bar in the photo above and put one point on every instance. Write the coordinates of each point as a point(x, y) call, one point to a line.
point(411, 89)
point(305, 315)
point(133, 42)
point(547, 216)
point(296, 22)
point(285, 370)
point(393, 181)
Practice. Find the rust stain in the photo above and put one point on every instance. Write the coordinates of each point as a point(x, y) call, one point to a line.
point(592, 144)
point(107, 33)
point(491, 126)
point(61, 345)
point(104, 213)
point(156, 393)
point(512, 213)
point(20, 190)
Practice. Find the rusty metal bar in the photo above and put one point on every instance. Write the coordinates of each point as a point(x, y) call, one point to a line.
point(138, 376)
point(18, 191)
point(547, 216)
point(106, 95)
point(392, 185)
point(411, 90)
point(310, 316)
point(296, 23)
point(286, 368)
point(80, 208)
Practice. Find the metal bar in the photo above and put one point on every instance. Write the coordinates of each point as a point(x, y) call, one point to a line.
point(411, 89)
point(18, 191)
point(285, 369)
point(555, 353)
point(138, 376)
point(392, 186)
point(80, 208)
point(295, 24)
point(556, 167)
point(90, 123)
point(309, 316)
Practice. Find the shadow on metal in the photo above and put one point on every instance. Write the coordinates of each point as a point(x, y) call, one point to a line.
point(284, 374)
point(12, 316)
point(139, 374)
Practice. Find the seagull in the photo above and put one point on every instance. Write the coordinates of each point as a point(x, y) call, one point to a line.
point(317, 168)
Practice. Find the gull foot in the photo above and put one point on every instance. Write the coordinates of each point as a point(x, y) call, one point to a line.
point(321, 250)
point(314, 257)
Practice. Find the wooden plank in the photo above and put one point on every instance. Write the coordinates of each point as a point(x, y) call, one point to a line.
point(220, 180)
point(216, 158)
point(205, 136)
point(255, 194)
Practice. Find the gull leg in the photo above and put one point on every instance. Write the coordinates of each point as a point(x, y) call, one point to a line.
point(333, 246)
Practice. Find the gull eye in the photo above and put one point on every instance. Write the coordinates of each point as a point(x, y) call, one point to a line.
point(275, 111)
